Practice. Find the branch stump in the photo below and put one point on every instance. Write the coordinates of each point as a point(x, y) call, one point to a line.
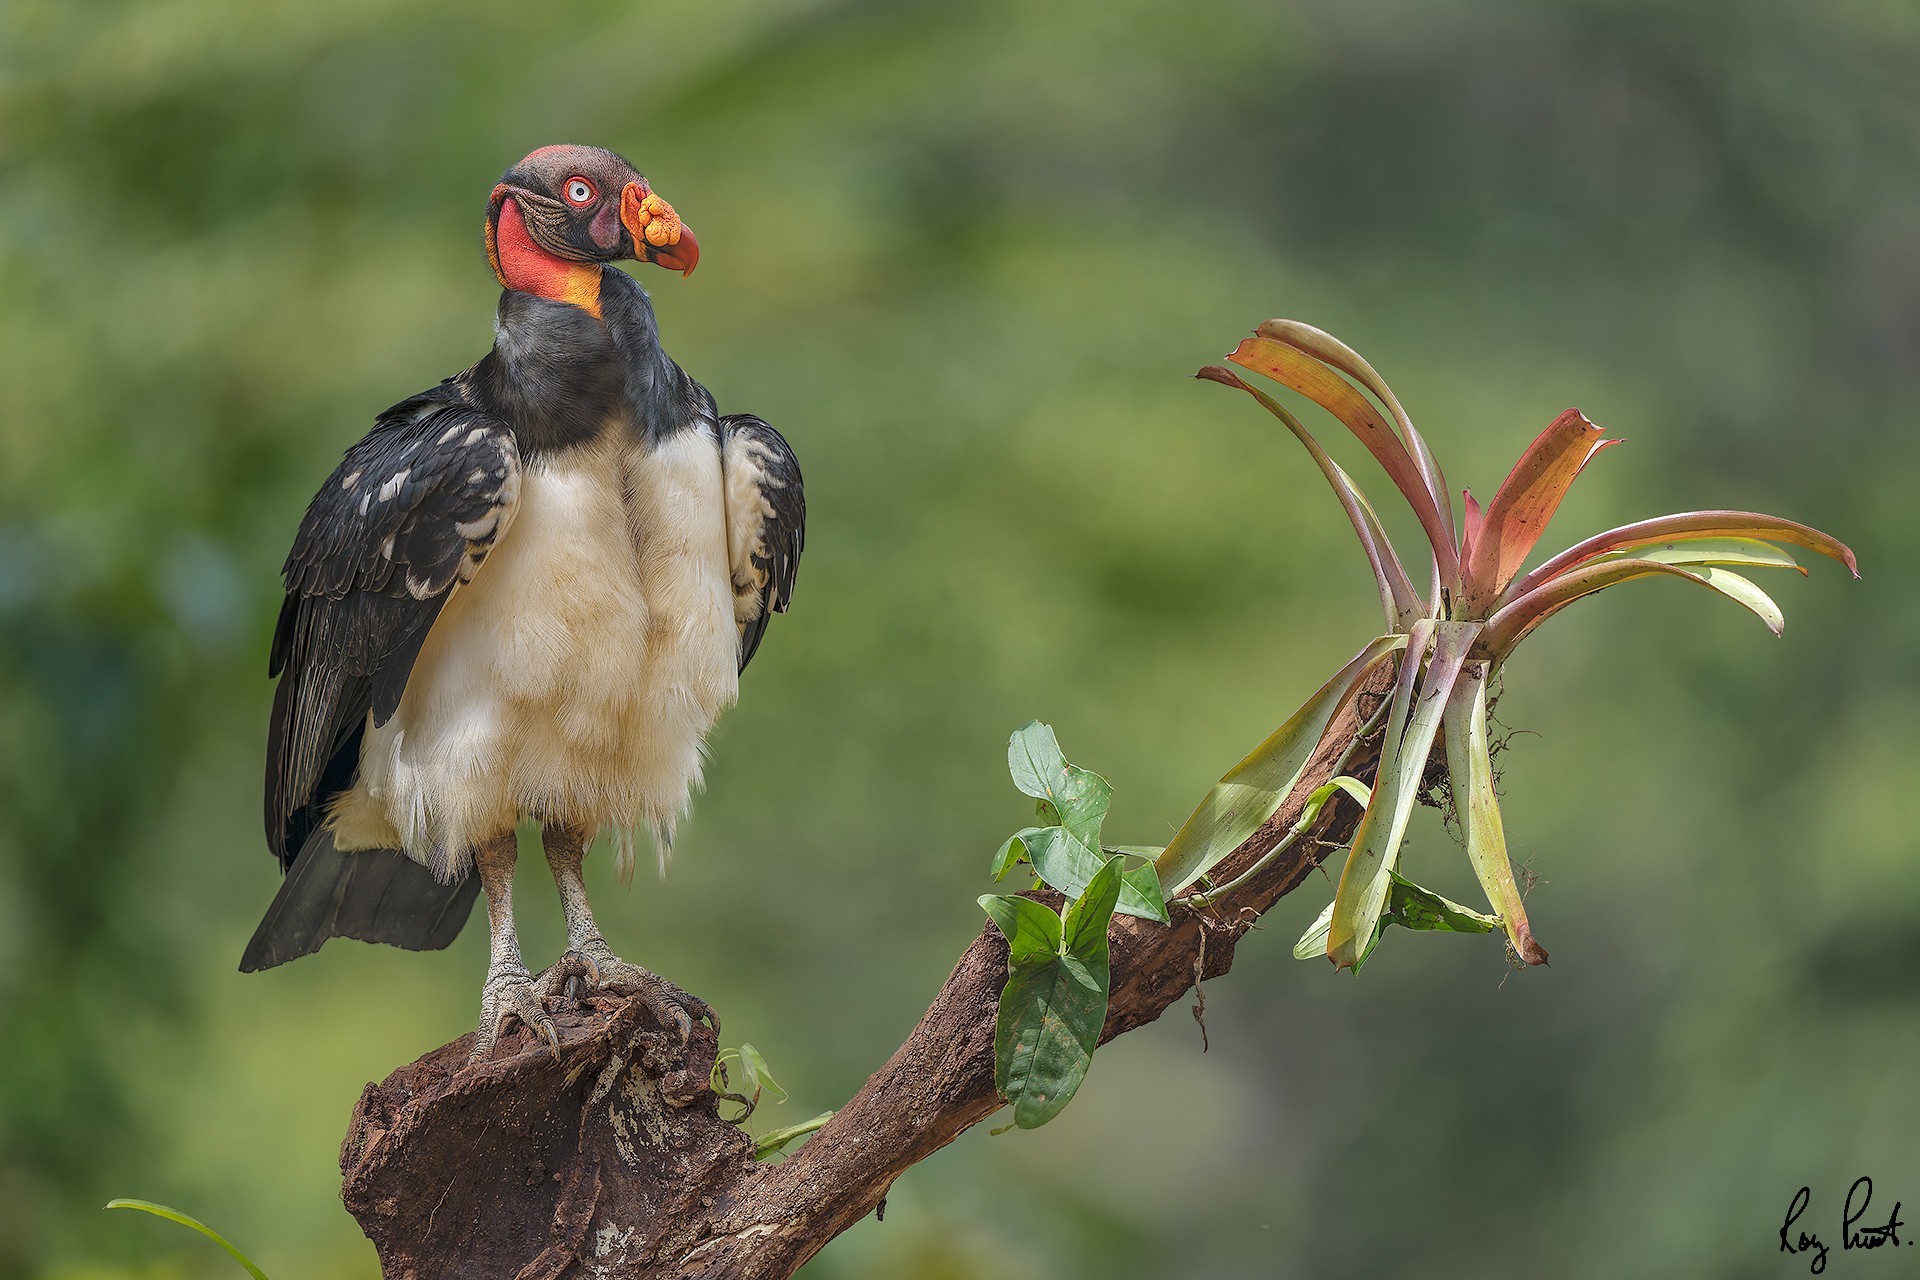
point(612, 1161)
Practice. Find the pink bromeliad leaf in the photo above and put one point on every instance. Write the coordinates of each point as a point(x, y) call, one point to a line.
point(1512, 622)
point(1526, 500)
point(1324, 347)
point(1397, 597)
point(1320, 383)
point(1472, 522)
point(1680, 527)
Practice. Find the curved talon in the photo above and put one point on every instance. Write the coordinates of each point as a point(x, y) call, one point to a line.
point(572, 977)
point(602, 970)
point(510, 993)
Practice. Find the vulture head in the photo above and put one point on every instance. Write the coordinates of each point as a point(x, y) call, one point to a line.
point(581, 205)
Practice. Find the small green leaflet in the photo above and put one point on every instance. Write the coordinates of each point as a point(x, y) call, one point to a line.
point(1067, 853)
point(777, 1139)
point(1031, 929)
point(758, 1074)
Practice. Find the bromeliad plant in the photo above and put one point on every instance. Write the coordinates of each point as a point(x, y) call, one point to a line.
point(1448, 643)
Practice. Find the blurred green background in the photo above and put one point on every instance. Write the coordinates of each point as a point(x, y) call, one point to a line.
point(966, 256)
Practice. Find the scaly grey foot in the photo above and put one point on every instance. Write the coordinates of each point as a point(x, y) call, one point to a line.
point(594, 963)
point(511, 990)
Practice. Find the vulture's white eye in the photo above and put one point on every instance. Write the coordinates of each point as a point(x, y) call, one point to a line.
point(579, 191)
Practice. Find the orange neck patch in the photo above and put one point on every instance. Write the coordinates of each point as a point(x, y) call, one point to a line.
point(524, 266)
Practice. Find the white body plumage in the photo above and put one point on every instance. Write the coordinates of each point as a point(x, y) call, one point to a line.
point(576, 676)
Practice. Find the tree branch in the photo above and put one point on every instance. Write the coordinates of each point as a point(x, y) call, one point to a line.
point(611, 1161)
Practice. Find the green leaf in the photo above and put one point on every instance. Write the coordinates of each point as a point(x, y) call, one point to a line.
point(1413, 907)
point(1140, 893)
point(1032, 929)
point(1743, 591)
point(1083, 930)
point(1043, 1041)
point(1068, 854)
point(1062, 861)
point(1053, 1008)
point(1076, 798)
point(174, 1215)
point(758, 1074)
point(1470, 766)
point(1411, 726)
point(1253, 790)
point(1012, 853)
point(774, 1139)
point(1034, 759)
point(1068, 862)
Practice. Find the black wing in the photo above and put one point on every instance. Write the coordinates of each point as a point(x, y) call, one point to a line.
point(766, 523)
point(409, 514)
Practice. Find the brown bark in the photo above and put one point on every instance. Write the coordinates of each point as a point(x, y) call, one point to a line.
point(612, 1161)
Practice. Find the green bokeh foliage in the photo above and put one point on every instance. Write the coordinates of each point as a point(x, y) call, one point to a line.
point(966, 256)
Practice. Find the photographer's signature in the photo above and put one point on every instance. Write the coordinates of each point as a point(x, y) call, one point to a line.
point(1795, 1239)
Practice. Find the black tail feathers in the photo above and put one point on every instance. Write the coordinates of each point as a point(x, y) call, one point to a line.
point(377, 895)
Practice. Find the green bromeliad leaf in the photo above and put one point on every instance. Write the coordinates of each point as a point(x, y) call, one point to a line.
point(1411, 727)
point(1750, 552)
point(1317, 800)
point(1253, 790)
point(1313, 943)
point(1470, 767)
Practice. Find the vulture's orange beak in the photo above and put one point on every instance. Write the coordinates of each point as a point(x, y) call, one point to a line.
point(658, 234)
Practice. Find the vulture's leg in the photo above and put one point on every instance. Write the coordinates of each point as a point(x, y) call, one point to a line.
point(509, 988)
point(588, 956)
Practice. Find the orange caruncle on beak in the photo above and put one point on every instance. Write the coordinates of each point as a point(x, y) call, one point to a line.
point(658, 234)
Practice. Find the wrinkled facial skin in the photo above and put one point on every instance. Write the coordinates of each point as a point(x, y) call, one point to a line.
point(569, 228)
